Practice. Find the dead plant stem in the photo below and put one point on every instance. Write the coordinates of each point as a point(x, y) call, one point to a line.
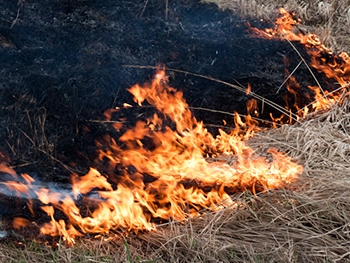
point(308, 67)
point(144, 8)
point(241, 89)
point(289, 76)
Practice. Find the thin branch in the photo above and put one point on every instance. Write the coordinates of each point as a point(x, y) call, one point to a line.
point(68, 168)
point(289, 76)
point(98, 121)
point(19, 4)
point(144, 7)
point(241, 89)
point(308, 67)
point(166, 9)
point(232, 114)
point(324, 96)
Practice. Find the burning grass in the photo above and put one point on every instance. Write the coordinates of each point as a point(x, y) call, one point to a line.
point(307, 223)
point(329, 19)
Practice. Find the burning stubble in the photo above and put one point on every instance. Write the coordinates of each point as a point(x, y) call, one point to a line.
point(184, 180)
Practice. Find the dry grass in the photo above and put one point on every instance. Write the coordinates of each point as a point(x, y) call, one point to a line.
point(309, 222)
point(329, 19)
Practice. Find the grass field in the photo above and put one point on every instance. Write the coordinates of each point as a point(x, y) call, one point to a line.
point(329, 19)
point(310, 222)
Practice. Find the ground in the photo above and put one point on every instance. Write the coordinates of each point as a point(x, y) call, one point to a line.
point(64, 63)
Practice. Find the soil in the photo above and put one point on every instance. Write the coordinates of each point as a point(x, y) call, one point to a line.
point(65, 62)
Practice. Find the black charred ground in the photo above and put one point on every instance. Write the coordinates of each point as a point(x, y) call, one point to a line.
point(63, 63)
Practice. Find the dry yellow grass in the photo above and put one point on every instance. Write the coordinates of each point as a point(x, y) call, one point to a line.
point(308, 222)
point(329, 19)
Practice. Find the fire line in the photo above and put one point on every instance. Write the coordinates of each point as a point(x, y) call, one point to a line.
point(184, 179)
point(188, 169)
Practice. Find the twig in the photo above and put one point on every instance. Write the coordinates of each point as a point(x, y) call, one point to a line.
point(144, 7)
point(197, 108)
point(28, 137)
point(166, 9)
point(308, 67)
point(324, 96)
point(244, 90)
point(11, 147)
point(232, 114)
point(291, 74)
point(98, 121)
point(19, 4)
point(23, 165)
point(60, 162)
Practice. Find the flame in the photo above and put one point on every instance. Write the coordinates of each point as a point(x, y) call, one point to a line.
point(7, 170)
point(182, 179)
point(249, 89)
point(335, 67)
point(169, 166)
point(19, 222)
point(158, 171)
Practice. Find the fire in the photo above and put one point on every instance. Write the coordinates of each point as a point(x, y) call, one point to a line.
point(157, 172)
point(169, 166)
point(335, 67)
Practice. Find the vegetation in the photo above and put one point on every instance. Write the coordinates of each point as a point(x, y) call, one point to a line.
point(309, 222)
point(329, 19)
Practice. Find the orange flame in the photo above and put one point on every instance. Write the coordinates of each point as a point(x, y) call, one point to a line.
point(335, 67)
point(19, 222)
point(159, 172)
point(182, 179)
point(156, 172)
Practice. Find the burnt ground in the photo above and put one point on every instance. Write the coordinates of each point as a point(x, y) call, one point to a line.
point(63, 63)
